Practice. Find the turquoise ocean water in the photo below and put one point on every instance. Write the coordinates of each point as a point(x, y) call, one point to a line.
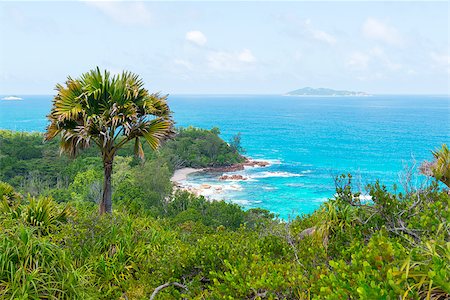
point(308, 140)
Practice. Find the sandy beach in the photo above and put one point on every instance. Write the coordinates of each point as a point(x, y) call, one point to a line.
point(215, 191)
point(181, 174)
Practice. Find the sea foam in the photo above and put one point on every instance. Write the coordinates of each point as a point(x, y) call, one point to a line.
point(268, 174)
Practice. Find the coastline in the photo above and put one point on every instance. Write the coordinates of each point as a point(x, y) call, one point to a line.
point(181, 174)
point(248, 162)
point(212, 192)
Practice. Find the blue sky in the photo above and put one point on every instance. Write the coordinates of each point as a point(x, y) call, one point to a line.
point(234, 47)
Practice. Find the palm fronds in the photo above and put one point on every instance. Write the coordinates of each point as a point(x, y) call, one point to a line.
point(440, 167)
point(108, 111)
point(100, 108)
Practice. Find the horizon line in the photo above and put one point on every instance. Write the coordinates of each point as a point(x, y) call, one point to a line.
point(259, 94)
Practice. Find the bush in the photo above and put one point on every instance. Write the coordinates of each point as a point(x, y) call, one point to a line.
point(8, 194)
point(199, 148)
point(219, 251)
point(395, 245)
point(185, 206)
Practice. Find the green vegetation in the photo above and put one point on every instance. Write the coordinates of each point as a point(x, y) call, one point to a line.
point(108, 111)
point(439, 168)
point(199, 148)
point(33, 166)
point(396, 247)
point(54, 245)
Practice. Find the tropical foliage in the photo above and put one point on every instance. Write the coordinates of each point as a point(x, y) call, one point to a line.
point(440, 167)
point(41, 170)
point(215, 250)
point(199, 148)
point(54, 245)
point(108, 111)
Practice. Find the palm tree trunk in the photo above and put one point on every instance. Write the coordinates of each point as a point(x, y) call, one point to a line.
point(106, 203)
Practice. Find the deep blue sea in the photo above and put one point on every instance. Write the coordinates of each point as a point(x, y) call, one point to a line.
point(309, 140)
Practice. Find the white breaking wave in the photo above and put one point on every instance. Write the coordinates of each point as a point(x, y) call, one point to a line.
point(269, 188)
point(295, 184)
point(241, 201)
point(245, 202)
point(232, 187)
point(270, 161)
point(320, 200)
point(269, 174)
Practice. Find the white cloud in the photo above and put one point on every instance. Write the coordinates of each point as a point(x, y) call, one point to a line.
point(246, 56)
point(358, 60)
point(442, 60)
point(375, 57)
point(229, 61)
point(379, 54)
point(184, 63)
point(298, 55)
point(304, 28)
point(371, 76)
point(325, 37)
point(318, 34)
point(377, 30)
point(131, 13)
point(196, 37)
point(392, 66)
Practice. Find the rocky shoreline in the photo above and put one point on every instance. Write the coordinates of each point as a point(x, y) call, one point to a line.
point(238, 167)
point(233, 177)
point(207, 190)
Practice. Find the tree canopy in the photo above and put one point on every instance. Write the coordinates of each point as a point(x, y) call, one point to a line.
point(109, 111)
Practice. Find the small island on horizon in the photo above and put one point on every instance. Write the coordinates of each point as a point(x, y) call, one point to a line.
point(324, 92)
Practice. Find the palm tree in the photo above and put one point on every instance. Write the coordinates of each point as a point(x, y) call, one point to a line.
point(440, 167)
point(108, 111)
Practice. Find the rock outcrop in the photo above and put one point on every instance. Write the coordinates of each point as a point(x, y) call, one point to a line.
point(256, 163)
point(232, 177)
point(238, 167)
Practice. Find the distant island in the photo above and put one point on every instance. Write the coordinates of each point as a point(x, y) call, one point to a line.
point(323, 92)
point(11, 98)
